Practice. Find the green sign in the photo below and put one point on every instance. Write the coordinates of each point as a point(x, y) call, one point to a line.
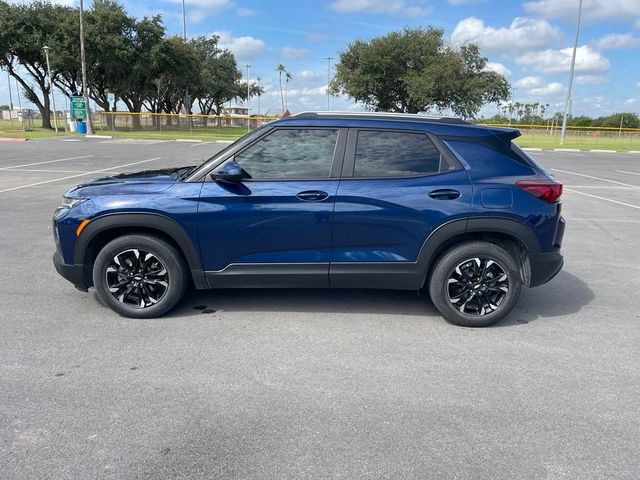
point(78, 107)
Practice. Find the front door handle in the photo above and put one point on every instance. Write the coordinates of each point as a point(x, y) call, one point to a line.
point(445, 194)
point(312, 195)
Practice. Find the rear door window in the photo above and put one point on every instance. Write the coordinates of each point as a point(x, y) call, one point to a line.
point(395, 154)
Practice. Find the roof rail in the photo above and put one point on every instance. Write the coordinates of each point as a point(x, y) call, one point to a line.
point(414, 117)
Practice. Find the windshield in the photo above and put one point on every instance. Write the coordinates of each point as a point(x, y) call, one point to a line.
point(197, 170)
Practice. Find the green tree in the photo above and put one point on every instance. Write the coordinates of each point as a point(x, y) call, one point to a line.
point(217, 78)
point(281, 69)
point(24, 30)
point(414, 71)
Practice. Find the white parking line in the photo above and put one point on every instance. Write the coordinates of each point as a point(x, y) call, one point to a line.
point(631, 173)
point(599, 187)
point(47, 161)
point(574, 154)
point(78, 175)
point(596, 178)
point(603, 198)
point(43, 170)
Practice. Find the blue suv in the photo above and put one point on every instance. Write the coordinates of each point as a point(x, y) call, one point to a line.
point(321, 200)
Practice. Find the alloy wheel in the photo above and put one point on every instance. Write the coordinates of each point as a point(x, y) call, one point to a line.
point(137, 278)
point(478, 286)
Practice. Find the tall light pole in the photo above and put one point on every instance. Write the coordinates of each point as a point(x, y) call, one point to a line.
point(83, 61)
point(248, 90)
point(53, 100)
point(258, 79)
point(328, 59)
point(573, 68)
point(10, 99)
point(187, 100)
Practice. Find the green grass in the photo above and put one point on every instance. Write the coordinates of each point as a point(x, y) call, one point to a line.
point(205, 134)
point(582, 142)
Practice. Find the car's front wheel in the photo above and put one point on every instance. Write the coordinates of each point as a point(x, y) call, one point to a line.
point(140, 276)
point(475, 284)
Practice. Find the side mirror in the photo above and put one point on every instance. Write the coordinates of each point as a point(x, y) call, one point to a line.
point(230, 172)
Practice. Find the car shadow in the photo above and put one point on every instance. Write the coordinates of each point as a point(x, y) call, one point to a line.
point(564, 295)
point(396, 302)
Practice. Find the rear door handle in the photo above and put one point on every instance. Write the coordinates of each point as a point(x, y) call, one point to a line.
point(445, 194)
point(312, 195)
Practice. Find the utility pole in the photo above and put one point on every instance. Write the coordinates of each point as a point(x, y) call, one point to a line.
point(620, 131)
point(573, 68)
point(258, 79)
point(328, 59)
point(10, 99)
point(53, 100)
point(187, 100)
point(20, 105)
point(83, 61)
point(248, 90)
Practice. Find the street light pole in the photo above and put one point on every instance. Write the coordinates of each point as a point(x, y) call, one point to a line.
point(573, 68)
point(10, 99)
point(258, 79)
point(187, 100)
point(53, 100)
point(83, 61)
point(248, 89)
point(328, 59)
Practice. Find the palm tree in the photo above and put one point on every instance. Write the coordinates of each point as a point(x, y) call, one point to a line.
point(280, 69)
point(287, 78)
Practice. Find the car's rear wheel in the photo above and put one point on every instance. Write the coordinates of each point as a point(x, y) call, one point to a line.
point(475, 284)
point(140, 276)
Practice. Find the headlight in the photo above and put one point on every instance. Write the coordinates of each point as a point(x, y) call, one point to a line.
point(71, 202)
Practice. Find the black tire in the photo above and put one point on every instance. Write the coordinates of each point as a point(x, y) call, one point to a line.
point(159, 282)
point(480, 288)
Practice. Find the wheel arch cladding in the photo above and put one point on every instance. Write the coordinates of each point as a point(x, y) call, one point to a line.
point(103, 229)
point(514, 236)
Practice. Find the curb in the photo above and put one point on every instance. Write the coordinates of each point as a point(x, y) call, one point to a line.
point(98, 136)
point(604, 151)
point(532, 149)
point(567, 150)
point(633, 151)
point(188, 140)
point(13, 139)
point(231, 141)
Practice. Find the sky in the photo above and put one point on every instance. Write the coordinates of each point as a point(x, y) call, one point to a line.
point(530, 42)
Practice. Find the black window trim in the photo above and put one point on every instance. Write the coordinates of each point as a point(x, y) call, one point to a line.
point(336, 161)
point(446, 155)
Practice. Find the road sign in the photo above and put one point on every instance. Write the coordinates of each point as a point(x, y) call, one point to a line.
point(111, 98)
point(78, 107)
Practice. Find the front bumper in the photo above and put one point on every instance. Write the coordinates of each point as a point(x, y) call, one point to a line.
point(73, 273)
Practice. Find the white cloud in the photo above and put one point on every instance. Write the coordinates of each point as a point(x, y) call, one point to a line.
point(245, 12)
point(591, 9)
point(498, 68)
point(198, 10)
point(292, 53)
point(389, 7)
point(617, 40)
point(588, 60)
point(523, 33)
point(591, 79)
point(244, 48)
point(457, 3)
point(529, 82)
point(546, 90)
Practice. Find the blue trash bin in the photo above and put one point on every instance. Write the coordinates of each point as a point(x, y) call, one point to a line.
point(81, 127)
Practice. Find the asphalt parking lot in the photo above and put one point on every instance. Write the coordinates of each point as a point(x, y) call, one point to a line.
point(271, 384)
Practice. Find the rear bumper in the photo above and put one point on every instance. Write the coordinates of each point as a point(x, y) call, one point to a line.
point(545, 266)
point(73, 273)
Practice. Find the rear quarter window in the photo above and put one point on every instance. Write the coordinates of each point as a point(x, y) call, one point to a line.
point(487, 158)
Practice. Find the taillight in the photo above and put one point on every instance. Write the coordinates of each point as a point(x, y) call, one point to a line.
point(546, 190)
